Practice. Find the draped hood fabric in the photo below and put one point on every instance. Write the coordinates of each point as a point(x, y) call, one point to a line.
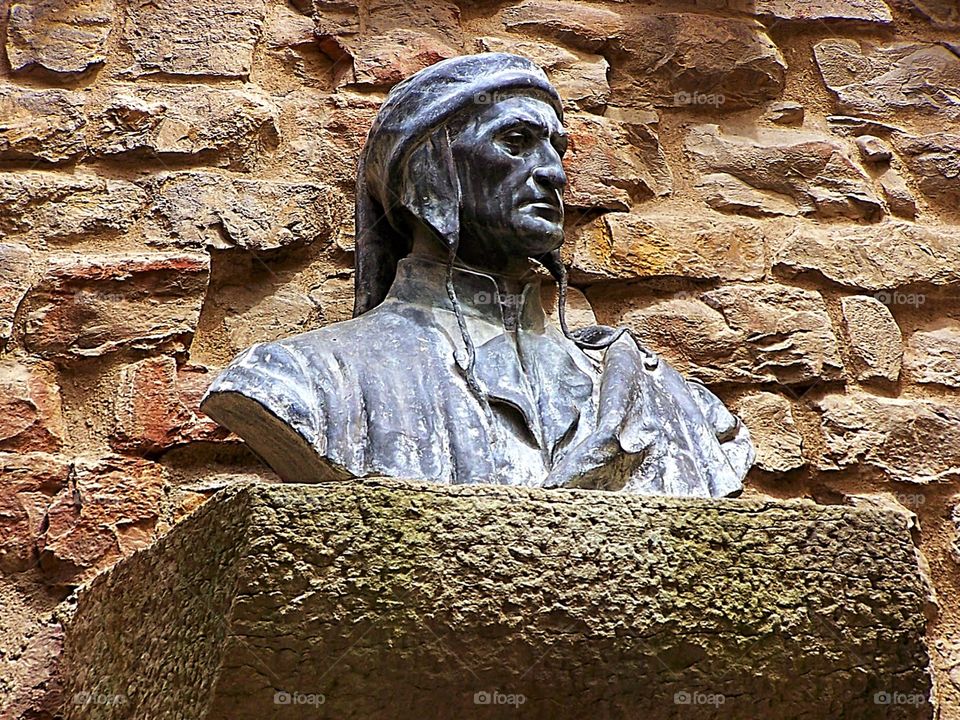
point(382, 395)
point(413, 108)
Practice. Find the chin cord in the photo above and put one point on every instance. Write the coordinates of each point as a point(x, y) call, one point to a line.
point(469, 370)
point(595, 337)
point(553, 263)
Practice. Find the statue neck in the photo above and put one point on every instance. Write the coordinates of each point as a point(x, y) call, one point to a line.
point(511, 277)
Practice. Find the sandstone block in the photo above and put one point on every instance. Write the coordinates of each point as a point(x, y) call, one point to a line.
point(902, 440)
point(285, 28)
point(393, 41)
point(700, 62)
point(202, 209)
point(943, 14)
point(785, 330)
point(30, 415)
point(891, 78)
point(897, 194)
point(40, 124)
point(641, 128)
point(853, 126)
point(334, 297)
point(46, 206)
point(157, 407)
point(673, 59)
point(935, 162)
point(788, 171)
point(875, 339)
point(38, 693)
point(220, 126)
point(578, 311)
point(873, 149)
point(610, 163)
point(381, 61)
point(728, 193)
point(580, 79)
point(955, 553)
point(588, 28)
point(933, 355)
point(773, 431)
point(255, 316)
point(741, 333)
point(291, 58)
point(599, 603)
point(90, 306)
point(881, 257)
point(109, 510)
point(30, 483)
point(630, 246)
point(326, 134)
point(440, 18)
point(178, 37)
point(786, 113)
point(865, 11)
point(334, 17)
point(62, 36)
point(16, 277)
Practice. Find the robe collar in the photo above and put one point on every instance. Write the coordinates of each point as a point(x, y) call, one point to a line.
point(536, 370)
point(422, 281)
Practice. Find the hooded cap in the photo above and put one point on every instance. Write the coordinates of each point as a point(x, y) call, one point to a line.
point(413, 109)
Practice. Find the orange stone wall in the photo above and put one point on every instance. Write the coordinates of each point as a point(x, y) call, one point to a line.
point(766, 191)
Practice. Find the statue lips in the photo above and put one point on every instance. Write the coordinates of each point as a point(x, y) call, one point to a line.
point(547, 208)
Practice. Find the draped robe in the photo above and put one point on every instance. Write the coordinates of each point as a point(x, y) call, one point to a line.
point(386, 394)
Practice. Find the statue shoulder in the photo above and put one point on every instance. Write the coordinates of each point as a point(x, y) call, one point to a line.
point(304, 403)
point(301, 380)
point(267, 377)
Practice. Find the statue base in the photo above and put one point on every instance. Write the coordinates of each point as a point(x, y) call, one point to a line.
point(394, 599)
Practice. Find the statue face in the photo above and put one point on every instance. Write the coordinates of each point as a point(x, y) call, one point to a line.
point(508, 159)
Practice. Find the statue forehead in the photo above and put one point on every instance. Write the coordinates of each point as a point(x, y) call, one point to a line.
point(506, 111)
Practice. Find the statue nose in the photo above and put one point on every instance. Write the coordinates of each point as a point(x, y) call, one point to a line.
point(551, 175)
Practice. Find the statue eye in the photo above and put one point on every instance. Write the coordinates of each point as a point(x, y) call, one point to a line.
point(516, 141)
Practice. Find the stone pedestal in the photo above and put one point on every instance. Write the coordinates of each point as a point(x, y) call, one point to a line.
point(391, 599)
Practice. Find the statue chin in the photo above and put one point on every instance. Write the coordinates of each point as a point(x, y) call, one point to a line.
point(536, 236)
point(530, 237)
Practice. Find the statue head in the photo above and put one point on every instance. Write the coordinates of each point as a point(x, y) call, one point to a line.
point(508, 159)
point(469, 152)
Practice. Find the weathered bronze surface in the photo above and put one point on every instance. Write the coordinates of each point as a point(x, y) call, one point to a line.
point(450, 369)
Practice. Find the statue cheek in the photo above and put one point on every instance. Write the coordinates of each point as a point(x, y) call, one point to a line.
point(493, 158)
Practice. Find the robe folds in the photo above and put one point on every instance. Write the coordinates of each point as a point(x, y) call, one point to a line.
point(386, 394)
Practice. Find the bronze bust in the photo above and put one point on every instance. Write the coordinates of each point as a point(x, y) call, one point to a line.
point(449, 369)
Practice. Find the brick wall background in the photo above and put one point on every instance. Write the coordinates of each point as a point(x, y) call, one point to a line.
point(767, 191)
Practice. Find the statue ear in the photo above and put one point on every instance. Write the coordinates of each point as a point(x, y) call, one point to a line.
point(431, 188)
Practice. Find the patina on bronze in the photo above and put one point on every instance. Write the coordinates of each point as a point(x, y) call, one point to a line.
point(450, 369)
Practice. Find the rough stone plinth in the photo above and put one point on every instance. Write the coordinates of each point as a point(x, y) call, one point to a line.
point(392, 599)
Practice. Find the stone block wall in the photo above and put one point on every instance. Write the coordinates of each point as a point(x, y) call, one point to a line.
point(767, 191)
